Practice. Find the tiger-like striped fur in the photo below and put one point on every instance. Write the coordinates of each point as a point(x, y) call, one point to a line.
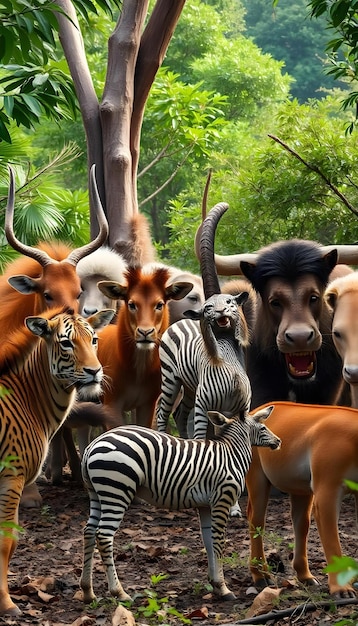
point(168, 472)
point(42, 368)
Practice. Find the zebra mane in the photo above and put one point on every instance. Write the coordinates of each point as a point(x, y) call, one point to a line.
point(20, 343)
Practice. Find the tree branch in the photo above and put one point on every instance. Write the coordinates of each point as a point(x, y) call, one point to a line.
point(315, 169)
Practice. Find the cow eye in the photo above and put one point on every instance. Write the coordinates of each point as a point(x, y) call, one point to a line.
point(275, 304)
point(48, 297)
point(314, 299)
point(159, 306)
point(132, 306)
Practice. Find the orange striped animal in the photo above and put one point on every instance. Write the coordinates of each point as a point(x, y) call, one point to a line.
point(319, 451)
point(42, 278)
point(128, 350)
point(42, 368)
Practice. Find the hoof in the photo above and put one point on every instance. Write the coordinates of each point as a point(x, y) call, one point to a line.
point(13, 611)
point(228, 597)
point(235, 510)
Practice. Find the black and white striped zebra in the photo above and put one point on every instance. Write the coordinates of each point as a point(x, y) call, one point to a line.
point(206, 360)
point(168, 472)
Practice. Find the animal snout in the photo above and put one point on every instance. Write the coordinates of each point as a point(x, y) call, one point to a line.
point(350, 373)
point(302, 339)
point(145, 334)
point(94, 374)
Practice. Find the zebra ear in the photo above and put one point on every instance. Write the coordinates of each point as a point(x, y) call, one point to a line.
point(218, 419)
point(38, 326)
point(241, 298)
point(262, 414)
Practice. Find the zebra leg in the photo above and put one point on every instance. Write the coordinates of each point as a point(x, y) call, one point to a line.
point(10, 492)
point(111, 517)
point(89, 544)
point(213, 533)
point(167, 398)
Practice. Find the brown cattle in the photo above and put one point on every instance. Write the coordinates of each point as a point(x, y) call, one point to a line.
point(291, 355)
point(319, 451)
point(128, 349)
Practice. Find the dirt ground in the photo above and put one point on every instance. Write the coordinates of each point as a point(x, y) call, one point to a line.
point(46, 566)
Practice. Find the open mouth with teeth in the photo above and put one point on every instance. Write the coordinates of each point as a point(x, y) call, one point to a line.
point(301, 364)
point(223, 321)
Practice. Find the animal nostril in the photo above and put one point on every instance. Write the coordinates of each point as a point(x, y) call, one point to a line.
point(89, 311)
point(91, 371)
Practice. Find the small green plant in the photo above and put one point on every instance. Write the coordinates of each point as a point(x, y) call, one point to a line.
point(46, 513)
point(156, 607)
point(199, 587)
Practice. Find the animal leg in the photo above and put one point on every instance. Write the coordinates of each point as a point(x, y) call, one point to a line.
point(327, 503)
point(258, 489)
point(89, 544)
point(301, 507)
point(170, 391)
point(10, 491)
point(72, 454)
point(31, 497)
point(213, 526)
point(108, 517)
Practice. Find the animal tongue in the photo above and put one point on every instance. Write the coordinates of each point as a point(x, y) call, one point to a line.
point(222, 321)
point(301, 364)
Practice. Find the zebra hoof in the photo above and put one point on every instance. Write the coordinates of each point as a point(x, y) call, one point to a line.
point(228, 597)
point(235, 510)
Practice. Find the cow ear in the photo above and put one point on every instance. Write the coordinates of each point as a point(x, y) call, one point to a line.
point(178, 290)
point(241, 298)
point(331, 259)
point(248, 269)
point(331, 296)
point(101, 318)
point(112, 289)
point(24, 284)
point(193, 314)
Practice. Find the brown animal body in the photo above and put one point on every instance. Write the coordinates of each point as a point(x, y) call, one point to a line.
point(319, 451)
point(128, 349)
point(342, 295)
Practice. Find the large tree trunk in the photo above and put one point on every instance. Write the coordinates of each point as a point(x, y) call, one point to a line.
point(113, 126)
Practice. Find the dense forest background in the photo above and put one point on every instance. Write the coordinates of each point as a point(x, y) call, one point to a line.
point(243, 91)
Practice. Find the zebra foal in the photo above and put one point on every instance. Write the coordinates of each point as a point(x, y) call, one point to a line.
point(168, 472)
point(205, 357)
point(42, 367)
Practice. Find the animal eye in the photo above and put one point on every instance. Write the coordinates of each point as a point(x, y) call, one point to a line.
point(131, 306)
point(275, 304)
point(314, 299)
point(159, 306)
point(66, 344)
point(193, 299)
point(95, 340)
point(48, 297)
point(337, 334)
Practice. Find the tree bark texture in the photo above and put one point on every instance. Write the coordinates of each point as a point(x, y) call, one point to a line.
point(113, 126)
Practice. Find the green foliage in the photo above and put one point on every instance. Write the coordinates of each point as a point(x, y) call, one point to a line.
point(342, 18)
point(287, 33)
point(157, 608)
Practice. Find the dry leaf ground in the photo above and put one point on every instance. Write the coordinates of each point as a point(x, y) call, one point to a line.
point(46, 566)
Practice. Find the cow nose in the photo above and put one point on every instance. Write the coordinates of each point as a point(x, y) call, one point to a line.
point(145, 332)
point(300, 338)
point(88, 311)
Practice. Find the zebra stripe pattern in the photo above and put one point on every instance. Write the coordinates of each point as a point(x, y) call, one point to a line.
point(223, 385)
point(169, 472)
point(42, 367)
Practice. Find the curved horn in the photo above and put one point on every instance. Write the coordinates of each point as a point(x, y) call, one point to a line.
point(208, 271)
point(79, 253)
point(34, 253)
point(346, 253)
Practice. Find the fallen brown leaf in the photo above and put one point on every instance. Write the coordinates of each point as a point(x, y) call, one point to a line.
point(122, 617)
point(264, 601)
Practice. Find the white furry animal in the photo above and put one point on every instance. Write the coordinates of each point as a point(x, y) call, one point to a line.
point(103, 264)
